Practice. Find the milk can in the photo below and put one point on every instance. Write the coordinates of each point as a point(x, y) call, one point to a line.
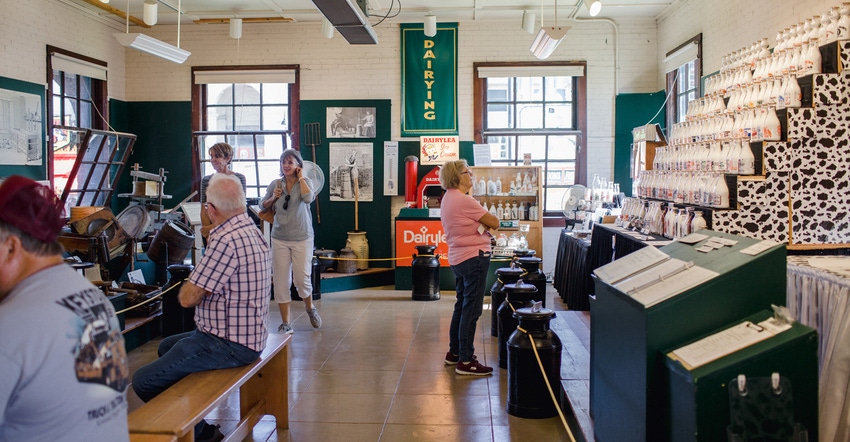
point(517, 295)
point(528, 394)
point(426, 274)
point(504, 275)
point(533, 275)
point(176, 318)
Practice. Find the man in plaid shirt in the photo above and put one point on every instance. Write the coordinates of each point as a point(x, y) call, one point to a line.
point(231, 289)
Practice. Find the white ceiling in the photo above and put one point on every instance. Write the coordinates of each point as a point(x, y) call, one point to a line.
point(410, 10)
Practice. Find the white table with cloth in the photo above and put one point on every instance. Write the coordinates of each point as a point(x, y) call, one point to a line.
point(819, 296)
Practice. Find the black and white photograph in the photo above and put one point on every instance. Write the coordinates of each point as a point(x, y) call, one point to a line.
point(350, 122)
point(351, 170)
point(20, 128)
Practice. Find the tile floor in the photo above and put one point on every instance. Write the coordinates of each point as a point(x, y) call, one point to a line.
point(375, 372)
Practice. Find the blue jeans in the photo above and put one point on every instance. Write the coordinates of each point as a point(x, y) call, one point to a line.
point(470, 279)
point(185, 353)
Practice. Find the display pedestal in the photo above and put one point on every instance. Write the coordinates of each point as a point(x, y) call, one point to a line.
point(699, 397)
point(627, 388)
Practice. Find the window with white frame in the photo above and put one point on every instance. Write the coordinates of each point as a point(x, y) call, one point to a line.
point(683, 68)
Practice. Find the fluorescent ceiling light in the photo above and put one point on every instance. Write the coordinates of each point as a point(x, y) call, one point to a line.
point(594, 8)
point(547, 40)
point(150, 45)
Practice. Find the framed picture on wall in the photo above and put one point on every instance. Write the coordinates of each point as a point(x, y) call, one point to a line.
point(351, 170)
point(21, 126)
point(350, 122)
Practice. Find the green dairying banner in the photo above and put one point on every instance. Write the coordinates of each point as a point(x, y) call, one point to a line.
point(428, 80)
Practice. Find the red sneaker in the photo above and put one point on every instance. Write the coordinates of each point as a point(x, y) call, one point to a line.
point(473, 368)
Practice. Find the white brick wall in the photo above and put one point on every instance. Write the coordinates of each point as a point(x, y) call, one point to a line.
point(333, 69)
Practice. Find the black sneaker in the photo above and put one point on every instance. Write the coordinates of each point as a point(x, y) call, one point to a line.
point(473, 368)
point(210, 433)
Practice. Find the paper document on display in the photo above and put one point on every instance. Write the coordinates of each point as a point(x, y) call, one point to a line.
point(727, 342)
point(630, 264)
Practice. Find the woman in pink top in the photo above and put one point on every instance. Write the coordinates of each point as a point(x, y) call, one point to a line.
point(467, 226)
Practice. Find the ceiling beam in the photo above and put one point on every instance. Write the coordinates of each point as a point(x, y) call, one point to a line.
point(117, 12)
point(244, 20)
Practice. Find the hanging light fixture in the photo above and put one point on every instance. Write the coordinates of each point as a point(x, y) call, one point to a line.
point(548, 38)
point(236, 28)
point(528, 21)
point(327, 28)
point(430, 25)
point(150, 45)
point(150, 12)
point(594, 8)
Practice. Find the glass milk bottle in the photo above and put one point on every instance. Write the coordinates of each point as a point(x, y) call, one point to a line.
point(746, 161)
point(844, 22)
point(698, 223)
point(772, 126)
point(720, 193)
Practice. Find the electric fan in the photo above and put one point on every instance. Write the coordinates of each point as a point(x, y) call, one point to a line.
point(570, 204)
point(314, 175)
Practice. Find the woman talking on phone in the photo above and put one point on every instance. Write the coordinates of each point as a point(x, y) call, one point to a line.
point(292, 237)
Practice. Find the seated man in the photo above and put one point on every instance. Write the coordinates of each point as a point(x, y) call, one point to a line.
point(230, 287)
point(65, 370)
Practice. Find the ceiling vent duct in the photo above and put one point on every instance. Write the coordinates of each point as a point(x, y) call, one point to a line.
point(349, 20)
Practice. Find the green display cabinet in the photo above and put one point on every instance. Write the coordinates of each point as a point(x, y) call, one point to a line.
point(699, 397)
point(627, 392)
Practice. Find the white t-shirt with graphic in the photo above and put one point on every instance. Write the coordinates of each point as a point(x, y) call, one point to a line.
point(63, 365)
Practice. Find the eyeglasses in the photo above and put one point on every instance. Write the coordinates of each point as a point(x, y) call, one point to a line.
point(286, 202)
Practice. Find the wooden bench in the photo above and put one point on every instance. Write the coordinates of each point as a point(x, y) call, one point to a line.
point(263, 390)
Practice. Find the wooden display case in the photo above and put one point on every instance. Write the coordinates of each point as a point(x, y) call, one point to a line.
point(507, 174)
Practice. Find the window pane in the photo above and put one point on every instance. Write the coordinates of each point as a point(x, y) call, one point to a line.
point(246, 93)
point(85, 88)
point(275, 93)
point(559, 116)
point(70, 112)
point(70, 88)
point(215, 93)
point(562, 147)
point(499, 89)
point(500, 116)
point(86, 112)
point(275, 118)
point(530, 116)
point(559, 88)
point(501, 148)
point(534, 145)
point(246, 118)
point(529, 89)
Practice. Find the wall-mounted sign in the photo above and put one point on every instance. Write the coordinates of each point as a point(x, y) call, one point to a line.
point(428, 80)
point(438, 150)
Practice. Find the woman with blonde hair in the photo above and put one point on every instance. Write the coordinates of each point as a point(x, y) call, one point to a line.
point(221, 154)
point(466, 224)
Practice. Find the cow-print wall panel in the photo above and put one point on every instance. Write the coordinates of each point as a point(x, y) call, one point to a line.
point(762, 209)
point(776, 157)
point(830, 89)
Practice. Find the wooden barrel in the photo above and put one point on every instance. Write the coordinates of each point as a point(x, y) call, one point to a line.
point(172, 243)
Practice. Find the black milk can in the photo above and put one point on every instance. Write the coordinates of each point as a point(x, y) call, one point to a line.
point(517, 295)
point(504, 275)
point(528, 394)
point(176, 318)
point(533, 275)
point(426, 274)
